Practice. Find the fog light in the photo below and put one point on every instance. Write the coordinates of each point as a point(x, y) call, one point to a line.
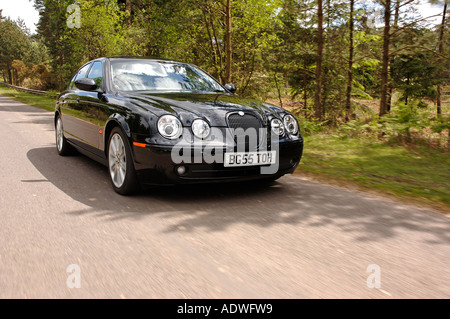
point(181, 170)
point(294, 161)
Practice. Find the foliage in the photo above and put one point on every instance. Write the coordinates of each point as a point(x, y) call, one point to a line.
point(308, 127)
point(100, 34)
point(416, 76)
point(16, 44)
point(36, 76)
point(408, 124)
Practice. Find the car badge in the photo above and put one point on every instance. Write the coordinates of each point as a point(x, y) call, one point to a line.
point(241, 113)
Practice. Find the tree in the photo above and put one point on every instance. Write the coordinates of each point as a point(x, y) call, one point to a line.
point(385, 58)
point(348, 101)
point(52, 28)
point(441, 53)
point(228, 47)
point(392, 56)
point(318, 94)
point(290, 57)
point(14, 45)
point(416, 75)
point(101, 33)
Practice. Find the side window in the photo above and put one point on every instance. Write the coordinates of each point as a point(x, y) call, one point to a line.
point(96, 73)
point(79, 75)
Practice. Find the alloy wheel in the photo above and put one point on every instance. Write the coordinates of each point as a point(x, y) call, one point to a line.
point(59, 135)
point(117, 160)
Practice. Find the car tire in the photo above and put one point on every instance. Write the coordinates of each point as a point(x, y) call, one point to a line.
point(62, 146)
point(120, 163)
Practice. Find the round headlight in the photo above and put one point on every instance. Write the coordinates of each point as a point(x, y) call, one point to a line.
point(201, 128)
point(291, 124)
point(277, 127)
point(170, 127)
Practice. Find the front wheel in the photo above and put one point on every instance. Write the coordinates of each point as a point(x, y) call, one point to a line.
point(120, 164)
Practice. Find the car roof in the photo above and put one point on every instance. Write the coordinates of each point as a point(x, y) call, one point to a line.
point(143, 58)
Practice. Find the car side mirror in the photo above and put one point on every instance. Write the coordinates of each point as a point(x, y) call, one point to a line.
point(230, 87)
point(86, 84)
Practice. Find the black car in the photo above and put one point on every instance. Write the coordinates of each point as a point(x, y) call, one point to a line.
point(153, 121)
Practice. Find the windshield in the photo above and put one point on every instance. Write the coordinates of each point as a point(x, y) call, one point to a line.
point(146, 75)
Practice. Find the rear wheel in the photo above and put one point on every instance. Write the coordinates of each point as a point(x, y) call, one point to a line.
point(120, 164)
point(62, 146)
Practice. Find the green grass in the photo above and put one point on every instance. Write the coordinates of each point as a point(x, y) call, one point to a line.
point(421, 174)
point(40, 101)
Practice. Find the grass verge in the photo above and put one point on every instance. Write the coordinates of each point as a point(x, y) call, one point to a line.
point(40, 101)
point(418, 174)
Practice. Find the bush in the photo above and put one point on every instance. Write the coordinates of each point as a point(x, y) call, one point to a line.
point(308, 127)
point(38, 76)
point(406, 124)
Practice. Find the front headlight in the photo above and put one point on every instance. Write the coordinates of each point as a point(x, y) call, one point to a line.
point(170, 127)
point(277, 127)
point(291, 124)
point(201, 128)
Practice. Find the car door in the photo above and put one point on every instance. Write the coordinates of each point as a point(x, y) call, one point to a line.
point(95, 103)
point(79, 115)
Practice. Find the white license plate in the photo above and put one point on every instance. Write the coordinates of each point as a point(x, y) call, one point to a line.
point(249, 158)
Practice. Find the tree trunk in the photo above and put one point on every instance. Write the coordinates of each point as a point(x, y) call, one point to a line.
point(128, 8)
point(385, 68)
point(218, 47)
point(364, 77)
point(252, 69)
point(318, 95)
point(228, 50)
point(348, 102)
point(278, 89)
point(211, 43)
point(149, 29)
point(441, 51)
point(305, 92)
point(9, 75)
point(392, 58)
point(406, 92)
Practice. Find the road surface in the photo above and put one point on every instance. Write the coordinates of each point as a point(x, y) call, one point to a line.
point(64, 233)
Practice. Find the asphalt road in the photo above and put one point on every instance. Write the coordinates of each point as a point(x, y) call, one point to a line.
point(292, 239)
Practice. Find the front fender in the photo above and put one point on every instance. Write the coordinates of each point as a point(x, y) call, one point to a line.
point(113, 121)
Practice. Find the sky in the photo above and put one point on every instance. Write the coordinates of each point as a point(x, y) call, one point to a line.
point(25, 10)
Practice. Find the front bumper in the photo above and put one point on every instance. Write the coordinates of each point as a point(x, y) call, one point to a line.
point(154, 166)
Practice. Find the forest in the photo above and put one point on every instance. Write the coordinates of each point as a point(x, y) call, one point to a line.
point(368, 67)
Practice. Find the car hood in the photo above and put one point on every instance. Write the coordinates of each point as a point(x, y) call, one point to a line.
point(212, 107)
